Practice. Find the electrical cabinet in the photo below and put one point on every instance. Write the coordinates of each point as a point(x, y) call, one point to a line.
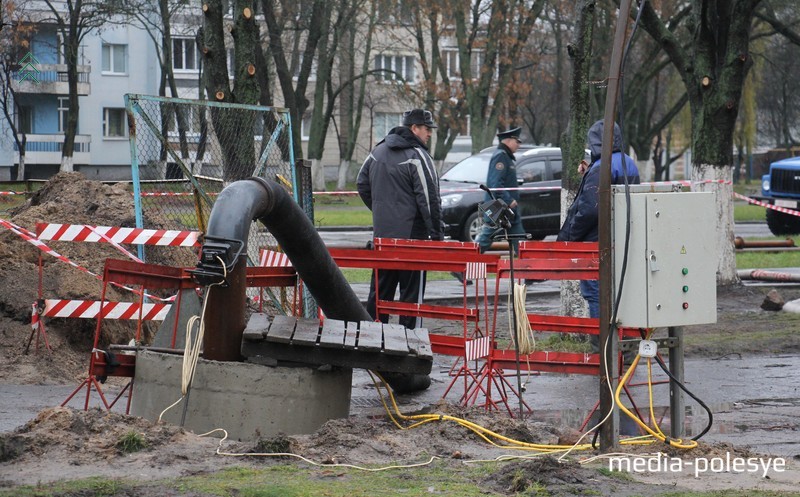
point(670, 271)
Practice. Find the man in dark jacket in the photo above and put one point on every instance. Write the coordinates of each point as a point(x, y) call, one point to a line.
point(399, 184)
point(580, 224)
point(502, 173)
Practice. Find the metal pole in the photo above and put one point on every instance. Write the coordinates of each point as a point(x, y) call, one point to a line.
point(676, 403)
point(514, 330)
point(609, 435)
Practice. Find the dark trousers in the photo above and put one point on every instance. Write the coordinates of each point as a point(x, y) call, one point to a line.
point(412, 289)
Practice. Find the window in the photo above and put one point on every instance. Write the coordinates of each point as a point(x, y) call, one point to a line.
point(453, 67)
point(63, 113)
point(305, 128)
point(383, 122)
point(25, 119)
point(113, 123)
point(395, 12)
point(184, 54)
point(532, 171)
point(298, 64)
point(395, 67)
point(555, 168)
point(115, 59)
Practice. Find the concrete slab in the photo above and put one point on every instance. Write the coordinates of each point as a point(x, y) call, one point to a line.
point(247, 400)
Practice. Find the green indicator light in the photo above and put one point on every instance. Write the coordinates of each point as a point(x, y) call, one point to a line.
point(685, 288)
point(685, 271)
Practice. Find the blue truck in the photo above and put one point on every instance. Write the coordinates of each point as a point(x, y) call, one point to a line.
point(781, 188)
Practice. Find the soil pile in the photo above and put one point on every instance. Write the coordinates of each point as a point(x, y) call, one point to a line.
point(68, 198)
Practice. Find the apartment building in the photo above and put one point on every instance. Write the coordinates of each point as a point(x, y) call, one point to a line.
point(120, 58)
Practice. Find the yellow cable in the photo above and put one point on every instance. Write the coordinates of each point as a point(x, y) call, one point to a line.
point(677, 443)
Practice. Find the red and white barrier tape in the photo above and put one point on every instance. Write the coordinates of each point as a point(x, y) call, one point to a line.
point(135, 236)
point(15, 193)
point(768, 206)
point(33, 240)
point(89, 309)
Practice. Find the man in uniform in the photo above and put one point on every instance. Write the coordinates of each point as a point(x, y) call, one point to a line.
point(503, 174)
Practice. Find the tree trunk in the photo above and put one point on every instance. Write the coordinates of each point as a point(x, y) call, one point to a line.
point(573, 143)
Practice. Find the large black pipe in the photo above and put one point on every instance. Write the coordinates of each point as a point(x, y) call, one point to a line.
point(236, 207)
point(243, 201)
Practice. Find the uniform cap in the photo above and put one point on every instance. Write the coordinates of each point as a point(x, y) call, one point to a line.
point(418, 116)
point(511, 133)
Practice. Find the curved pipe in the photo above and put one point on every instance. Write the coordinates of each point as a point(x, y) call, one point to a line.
point(236, 207)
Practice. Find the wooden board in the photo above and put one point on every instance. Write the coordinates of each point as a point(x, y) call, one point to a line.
point(332, 333)
point(282, 329)
point(394, 339)
point(370, 336)
point(306, 332)
point(351, 335)
point(257, 327)
point(419, 342)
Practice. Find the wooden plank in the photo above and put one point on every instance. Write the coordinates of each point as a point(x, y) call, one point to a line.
point(351, 335)
point(332, 333)
point(282, 329)
point(370, 336)
point(257, 327)
point(306, 332)
point(419, 342)
point(394, 339)
point(262, 351)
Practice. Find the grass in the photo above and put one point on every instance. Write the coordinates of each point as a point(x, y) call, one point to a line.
point(439, 478)
point(131, 442)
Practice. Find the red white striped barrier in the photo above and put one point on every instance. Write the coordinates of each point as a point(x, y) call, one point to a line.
point(137, 236)
point(768, 206)
point(89, 309)
point(475, 271)
point(15, 193)
point(272, 258)
point(476, 349)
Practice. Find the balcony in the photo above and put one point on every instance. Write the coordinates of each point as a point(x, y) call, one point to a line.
point(46, 149)
point(50, 79)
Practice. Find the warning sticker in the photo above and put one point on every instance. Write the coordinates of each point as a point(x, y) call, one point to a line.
point(683, 249)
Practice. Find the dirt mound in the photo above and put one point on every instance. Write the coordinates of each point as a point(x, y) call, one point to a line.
point(68, 198)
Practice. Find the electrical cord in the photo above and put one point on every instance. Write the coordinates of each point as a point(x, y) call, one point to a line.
point(683, 387)
point(191, 350)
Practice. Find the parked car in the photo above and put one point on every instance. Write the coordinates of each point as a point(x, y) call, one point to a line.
point(538, 167)
point(781, 188)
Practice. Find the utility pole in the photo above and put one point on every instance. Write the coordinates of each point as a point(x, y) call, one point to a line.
point(609, 435)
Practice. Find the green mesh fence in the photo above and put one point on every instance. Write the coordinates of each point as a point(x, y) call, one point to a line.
point(184, 152)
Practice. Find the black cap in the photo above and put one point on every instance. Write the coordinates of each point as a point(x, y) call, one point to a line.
point(418, 116)
point(511, 133)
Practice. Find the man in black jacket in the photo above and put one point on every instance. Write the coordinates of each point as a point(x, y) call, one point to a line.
point(399, 184)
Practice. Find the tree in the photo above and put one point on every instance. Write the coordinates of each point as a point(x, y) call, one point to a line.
point(74, 19)
point(15, 31)
point(234, 128)
point(499, 31)
point(708, 44)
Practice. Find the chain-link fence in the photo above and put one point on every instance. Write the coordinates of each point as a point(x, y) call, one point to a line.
point(184, 152)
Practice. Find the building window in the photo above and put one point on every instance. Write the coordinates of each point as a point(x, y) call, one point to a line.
point(24, 119)
point(305, 128)
point(113, 123)
point(398, 12)
point(395, 67)
point(63, 113)
point(383, 123)
point(184, 54)
point(298, 64)
point(453, 67)
point(115, 59)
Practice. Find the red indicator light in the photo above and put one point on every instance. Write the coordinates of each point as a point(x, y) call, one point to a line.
point(686, 305)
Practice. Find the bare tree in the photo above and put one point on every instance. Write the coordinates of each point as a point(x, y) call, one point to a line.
point(15, 30)
point(74, 19)
point(708, 43)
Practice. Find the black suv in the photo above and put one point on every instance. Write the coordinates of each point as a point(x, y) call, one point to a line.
point(538, 167)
